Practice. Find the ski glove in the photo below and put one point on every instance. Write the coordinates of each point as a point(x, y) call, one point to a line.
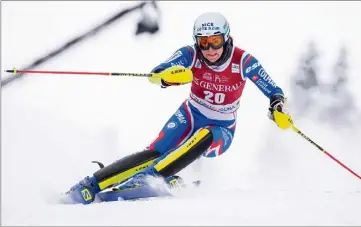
point(278, 113)
point(276, 103)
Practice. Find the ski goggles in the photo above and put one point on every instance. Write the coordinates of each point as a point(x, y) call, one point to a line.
point(205, 42)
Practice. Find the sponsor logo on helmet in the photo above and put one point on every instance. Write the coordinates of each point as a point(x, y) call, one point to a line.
point(208, 26)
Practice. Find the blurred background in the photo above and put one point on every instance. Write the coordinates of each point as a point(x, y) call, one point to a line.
point(53, 126)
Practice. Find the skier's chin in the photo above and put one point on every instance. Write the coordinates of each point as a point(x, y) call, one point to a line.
point(213, 58)
point(212, 55)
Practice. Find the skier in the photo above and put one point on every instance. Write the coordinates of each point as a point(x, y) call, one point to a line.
point(205, 122)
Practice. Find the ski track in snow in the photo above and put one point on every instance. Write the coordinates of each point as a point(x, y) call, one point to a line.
point(54, 126)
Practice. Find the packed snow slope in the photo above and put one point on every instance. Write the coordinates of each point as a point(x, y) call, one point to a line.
point(53, 126)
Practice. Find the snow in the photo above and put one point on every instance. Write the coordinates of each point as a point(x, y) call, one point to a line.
point(53, 126)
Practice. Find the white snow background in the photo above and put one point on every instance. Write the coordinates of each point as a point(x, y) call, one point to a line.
point(53, 126)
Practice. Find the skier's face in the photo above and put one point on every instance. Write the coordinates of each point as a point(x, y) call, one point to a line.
point(212, 55)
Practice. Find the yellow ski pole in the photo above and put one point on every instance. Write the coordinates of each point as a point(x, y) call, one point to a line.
point(284, 121)
point(295, 129)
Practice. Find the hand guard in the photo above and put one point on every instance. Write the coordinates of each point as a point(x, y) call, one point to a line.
point(162, 82)
point(175, 75)
point(278, 113)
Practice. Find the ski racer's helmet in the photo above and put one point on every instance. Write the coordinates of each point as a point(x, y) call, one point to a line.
point(215, 25)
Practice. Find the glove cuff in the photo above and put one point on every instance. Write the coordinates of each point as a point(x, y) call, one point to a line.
point(276, 100)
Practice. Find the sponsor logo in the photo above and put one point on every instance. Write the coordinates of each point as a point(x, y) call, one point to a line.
point(254, 77)
point(235, 68)
point(173, 183)
point(218, 87)
point(86, 194)
point(178, 71)
point(190, 143)
point(196, 80)
point(180, 117)
point(180, 62)
point(171, 125)
point(252, 67)
point(230, 108)
point(263, 85)
point(220, 79)
point(207, 76)
point(174, 56)
point(202, 102)
point(226, 135)
point(227, 108)
point(266, 77)
point(208, 26)
point(198, 64)
point(141, 167)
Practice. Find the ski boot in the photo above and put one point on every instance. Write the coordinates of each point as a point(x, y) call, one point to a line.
point(83, 192)
point(175, 182)
point(141, 179)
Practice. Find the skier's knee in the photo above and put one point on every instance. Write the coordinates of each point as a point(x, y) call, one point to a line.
point(222, 139)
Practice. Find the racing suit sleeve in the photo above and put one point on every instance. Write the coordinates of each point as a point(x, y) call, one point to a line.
point(252, 69)
point(182, 57)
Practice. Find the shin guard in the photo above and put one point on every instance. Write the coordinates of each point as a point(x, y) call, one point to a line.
point(185, 154)
point(124, 168)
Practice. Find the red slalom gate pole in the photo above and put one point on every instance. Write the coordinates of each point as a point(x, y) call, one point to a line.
point(81, 73)
point(324, 151)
